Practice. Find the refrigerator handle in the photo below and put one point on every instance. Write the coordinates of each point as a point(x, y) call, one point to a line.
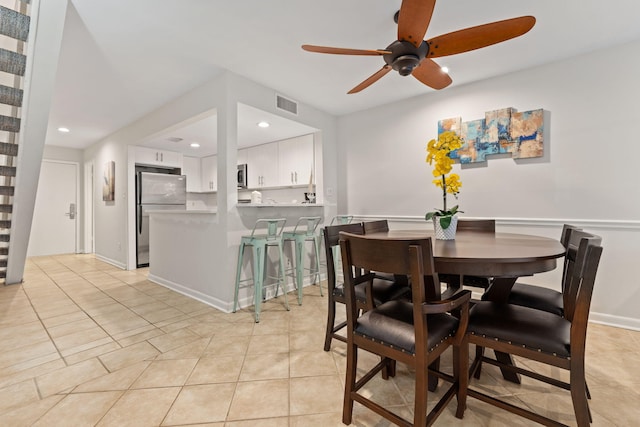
point(139, 219)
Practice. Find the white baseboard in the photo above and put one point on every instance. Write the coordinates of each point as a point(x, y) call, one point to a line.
point(615, 321)
point(113, 262)
point(203, 298)
point(270, 292)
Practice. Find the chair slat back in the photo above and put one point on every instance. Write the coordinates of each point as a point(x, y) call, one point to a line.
point(488, 225)
point(309, 224)
point(409, 257)
point(332, 232)
point(331, 240)
point(376, 226)
point(580, 311)
point(566, 233)
point(391, 256)
point(273, 227)
point(567, 229)
point(577, 263)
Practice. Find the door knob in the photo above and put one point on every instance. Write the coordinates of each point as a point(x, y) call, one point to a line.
point(72, 211)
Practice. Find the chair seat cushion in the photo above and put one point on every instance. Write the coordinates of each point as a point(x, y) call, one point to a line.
point(523, 326)
point(383, 291)
point(537, 297)
point(392, 324)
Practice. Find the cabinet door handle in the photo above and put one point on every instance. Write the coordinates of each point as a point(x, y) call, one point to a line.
point(292, 177)
point(156, 156)
point(162, 157)
point(296, 174)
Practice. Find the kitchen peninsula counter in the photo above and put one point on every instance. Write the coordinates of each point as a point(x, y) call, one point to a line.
point(182, 251)
point(194, 252)
point(280, 205)
point(184, 211)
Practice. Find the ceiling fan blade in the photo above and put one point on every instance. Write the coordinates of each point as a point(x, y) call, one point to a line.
point(429, 73)
point(341, 51)
point(374, 78)
point(477, 37)
point(413, 20)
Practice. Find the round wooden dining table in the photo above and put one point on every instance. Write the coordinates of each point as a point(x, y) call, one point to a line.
point(502, 256)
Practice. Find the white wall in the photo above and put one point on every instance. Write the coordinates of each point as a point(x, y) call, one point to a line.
point(47, 22)
point(114, 221)
point(589, 175)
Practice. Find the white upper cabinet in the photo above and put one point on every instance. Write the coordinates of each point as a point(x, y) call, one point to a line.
point(191, 168)
point(153, 157)
point(262, 165)
point(243, 156)
point(295, 161)
point(209, 168)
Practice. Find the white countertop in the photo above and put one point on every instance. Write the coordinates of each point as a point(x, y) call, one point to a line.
point(184, 212)
point(280, 205)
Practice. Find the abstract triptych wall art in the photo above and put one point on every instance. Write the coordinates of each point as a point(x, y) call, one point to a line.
point(500, 132)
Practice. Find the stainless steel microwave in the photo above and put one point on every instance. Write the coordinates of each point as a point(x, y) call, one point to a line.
point(242, 176)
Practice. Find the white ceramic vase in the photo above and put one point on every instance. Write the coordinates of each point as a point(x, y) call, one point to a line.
point(448, 233)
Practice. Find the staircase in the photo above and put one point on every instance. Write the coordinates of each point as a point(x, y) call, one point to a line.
point(14, 32)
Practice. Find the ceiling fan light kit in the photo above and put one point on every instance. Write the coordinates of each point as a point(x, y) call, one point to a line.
point(411, 55)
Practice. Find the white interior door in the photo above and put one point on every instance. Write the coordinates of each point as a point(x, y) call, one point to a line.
point(55, 215)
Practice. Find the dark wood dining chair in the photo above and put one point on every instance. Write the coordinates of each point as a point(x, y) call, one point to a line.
point(541, 336)
point(381, 290)
point(453, 281)
point(376, 226)
point(541, 298)
point(412, 332)
point(381, 226)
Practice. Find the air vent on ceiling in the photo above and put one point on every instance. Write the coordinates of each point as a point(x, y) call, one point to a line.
point(174, 139)
point(286, 104)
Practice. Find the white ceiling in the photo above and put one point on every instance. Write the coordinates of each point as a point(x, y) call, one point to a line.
point(203, 130)
point(122, 59)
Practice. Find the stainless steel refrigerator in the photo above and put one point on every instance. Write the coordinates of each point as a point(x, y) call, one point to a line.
point(155, 191)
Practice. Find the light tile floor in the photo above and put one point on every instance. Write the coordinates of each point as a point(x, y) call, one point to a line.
point(84, 343)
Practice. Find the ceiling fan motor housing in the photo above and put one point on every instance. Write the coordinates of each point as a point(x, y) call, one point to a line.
point(404, 56)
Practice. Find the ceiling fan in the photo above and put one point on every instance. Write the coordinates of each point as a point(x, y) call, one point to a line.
point(411, 55)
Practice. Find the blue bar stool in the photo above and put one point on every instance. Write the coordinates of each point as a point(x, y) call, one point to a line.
point(341, 219)
point(260, 244)
point(305, 230)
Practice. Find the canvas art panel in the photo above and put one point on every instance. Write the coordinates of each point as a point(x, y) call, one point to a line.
point(526, 131)
point(503, 131)
point(108, 182)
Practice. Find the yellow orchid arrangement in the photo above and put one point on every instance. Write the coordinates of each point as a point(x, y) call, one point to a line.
point(438, 155)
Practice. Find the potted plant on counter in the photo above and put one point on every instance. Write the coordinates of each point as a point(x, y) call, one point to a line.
point(444, 220)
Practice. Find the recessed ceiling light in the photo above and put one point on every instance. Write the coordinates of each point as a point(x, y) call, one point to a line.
point(64, 130)
point(194, 145)
point(263, 124)
point(445, 69)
